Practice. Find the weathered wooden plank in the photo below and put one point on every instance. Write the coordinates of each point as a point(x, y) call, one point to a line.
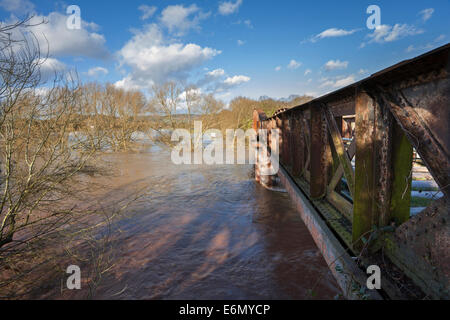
point(340, 150)
point(320, 154)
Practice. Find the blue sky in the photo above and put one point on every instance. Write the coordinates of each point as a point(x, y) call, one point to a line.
point(236, 47)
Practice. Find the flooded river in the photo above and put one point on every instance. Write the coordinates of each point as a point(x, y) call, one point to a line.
point(210, 232)
point(204, 232)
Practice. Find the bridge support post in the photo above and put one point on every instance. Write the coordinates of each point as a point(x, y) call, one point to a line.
point(364, 215)
point(321, 157)
point(263, 150)
point(286, 137)
point(383, 169)
point(298, 145)
point(279, 126)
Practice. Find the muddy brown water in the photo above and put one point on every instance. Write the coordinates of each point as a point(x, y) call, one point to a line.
point(208, 232)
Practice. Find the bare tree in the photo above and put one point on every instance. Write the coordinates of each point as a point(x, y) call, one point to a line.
point(40, 155)
point(111, 117)
point(49, 133)
point(122, 109)
point(166, 101)
point(177, 107)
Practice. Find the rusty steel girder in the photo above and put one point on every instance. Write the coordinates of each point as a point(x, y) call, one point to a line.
point(380, 119)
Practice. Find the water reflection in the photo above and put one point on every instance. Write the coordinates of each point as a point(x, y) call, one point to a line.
point(208, 233)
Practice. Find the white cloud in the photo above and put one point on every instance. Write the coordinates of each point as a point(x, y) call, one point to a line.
point(216, 73)
point(240, 42)
point(334, 32)
point(42, 91)
point(97, 71)
point(55, 37)
point(312, 93)
point(335, 65)
point(426, 14)
point(344, 82)
point(337, 82)
point(294, 65)
point(236, 80)
point(191, 92)
point(308, 71)
point(229, 7)
point(412, 48)
point(51, 68)
point(216, 81)
point(51, 65)
point(17, 6)
point(363, 71)
point(278, 68)
point(128, 83)
point(147, 11)
point(327, 83)
point(152, 59)
point(440, 38)
point(248, 23)
point(180, 19)
point(386, 33)
point(230, 83)
point(331, 33)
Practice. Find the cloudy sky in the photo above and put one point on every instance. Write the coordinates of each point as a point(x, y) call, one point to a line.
point(237, 47)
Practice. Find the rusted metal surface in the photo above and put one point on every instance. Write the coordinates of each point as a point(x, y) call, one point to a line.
point(338, 144)
point(380, 119)
point(421, 247)
point(286, 151)
point(320, 154)
point(422, 136)
point(364, 217)
point(258, 118)
point(383, 146)
point(401, 177)
point(298, 143)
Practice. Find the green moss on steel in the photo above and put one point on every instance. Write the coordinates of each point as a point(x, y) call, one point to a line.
point(402, 177)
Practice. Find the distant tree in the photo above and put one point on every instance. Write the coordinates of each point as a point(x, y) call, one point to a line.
point(177, 107)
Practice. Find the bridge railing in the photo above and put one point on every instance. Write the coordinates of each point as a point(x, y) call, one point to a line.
point(351, 153)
